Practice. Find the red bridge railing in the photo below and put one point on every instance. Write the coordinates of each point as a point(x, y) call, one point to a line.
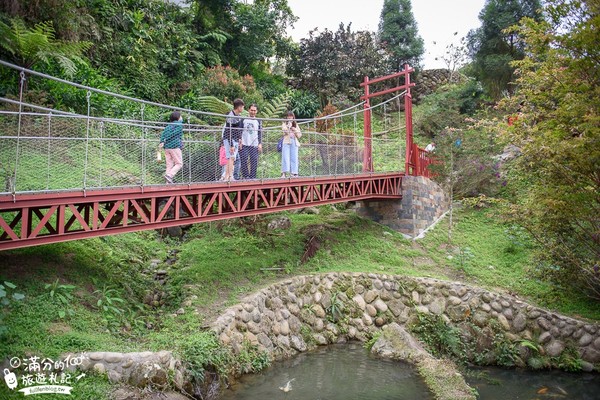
point(56, 217)
point(418, 162)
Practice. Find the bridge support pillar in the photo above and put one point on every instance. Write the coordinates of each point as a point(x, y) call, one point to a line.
point(423, 203)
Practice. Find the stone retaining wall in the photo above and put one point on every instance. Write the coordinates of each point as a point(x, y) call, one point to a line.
point(423, 202)
point(291, 316)
point(138, 369)
point(429, 80)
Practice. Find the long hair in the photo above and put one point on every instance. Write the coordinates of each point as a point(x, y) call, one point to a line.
point(291, 114)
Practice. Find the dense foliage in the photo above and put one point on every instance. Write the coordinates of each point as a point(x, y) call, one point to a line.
point(205, 53)
point(155, 48)
point(258, 32)
point(557, 128)
point(31, 47)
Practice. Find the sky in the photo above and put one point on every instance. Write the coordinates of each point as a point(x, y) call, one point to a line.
point(437, 20)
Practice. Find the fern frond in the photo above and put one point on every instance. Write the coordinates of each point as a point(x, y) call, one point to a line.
point(45, 29)
point(276, 107)
point(214, 105)
point(9, 39)
point(66, 64)
point(39, 45)
point(218, 36)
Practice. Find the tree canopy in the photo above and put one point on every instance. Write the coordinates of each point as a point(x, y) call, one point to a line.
point(398, 34)
point(492, 47)
point(334, 63)
point(157, 48)
point(258, 32)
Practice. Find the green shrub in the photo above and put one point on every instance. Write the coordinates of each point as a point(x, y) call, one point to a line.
point(447, 107)
point(305, 104)
point(439, 337)
point(251, 359)
point(61, 295)
point(226, 83)
point(505, 351)
point(204, 354)
point(336, 310)
point(372, 340)
point(537, 362)
point(569, 360)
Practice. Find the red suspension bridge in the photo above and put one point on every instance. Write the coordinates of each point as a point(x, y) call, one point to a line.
point(71, 176)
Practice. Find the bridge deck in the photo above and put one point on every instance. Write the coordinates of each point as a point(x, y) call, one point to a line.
point(41, 218)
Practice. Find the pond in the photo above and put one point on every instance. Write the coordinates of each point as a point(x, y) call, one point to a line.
point(336, 372)
point(517, 384)
point(341, 372)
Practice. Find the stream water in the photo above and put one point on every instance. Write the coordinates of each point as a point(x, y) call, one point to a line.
point(346, 372)
point(337, 372)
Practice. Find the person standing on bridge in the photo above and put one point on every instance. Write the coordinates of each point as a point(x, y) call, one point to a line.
point(289, 148)
point(251, 144)
point(171, 141)
point(232, 137)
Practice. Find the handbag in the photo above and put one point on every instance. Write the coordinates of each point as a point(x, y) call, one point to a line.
point(280, 144)
point(222, 156)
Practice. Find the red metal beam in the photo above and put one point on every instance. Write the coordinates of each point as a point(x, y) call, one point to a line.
point(368, 153)
point(30, 220)
point(406, 70)
point(382, 92)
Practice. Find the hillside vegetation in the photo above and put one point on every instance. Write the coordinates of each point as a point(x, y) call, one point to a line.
point(66, 285)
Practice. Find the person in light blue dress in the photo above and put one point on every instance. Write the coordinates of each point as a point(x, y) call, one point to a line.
point(291, 144)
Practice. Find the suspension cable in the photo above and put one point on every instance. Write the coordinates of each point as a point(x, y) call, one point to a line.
point(143, 180)
point(48, 150)
point(101, 148)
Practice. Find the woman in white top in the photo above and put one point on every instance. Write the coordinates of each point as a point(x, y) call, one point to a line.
point(289, 149)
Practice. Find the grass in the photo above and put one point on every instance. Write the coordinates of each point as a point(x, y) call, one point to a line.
point(219, 263)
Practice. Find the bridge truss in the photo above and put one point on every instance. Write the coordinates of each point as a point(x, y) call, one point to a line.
point(57, 217)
